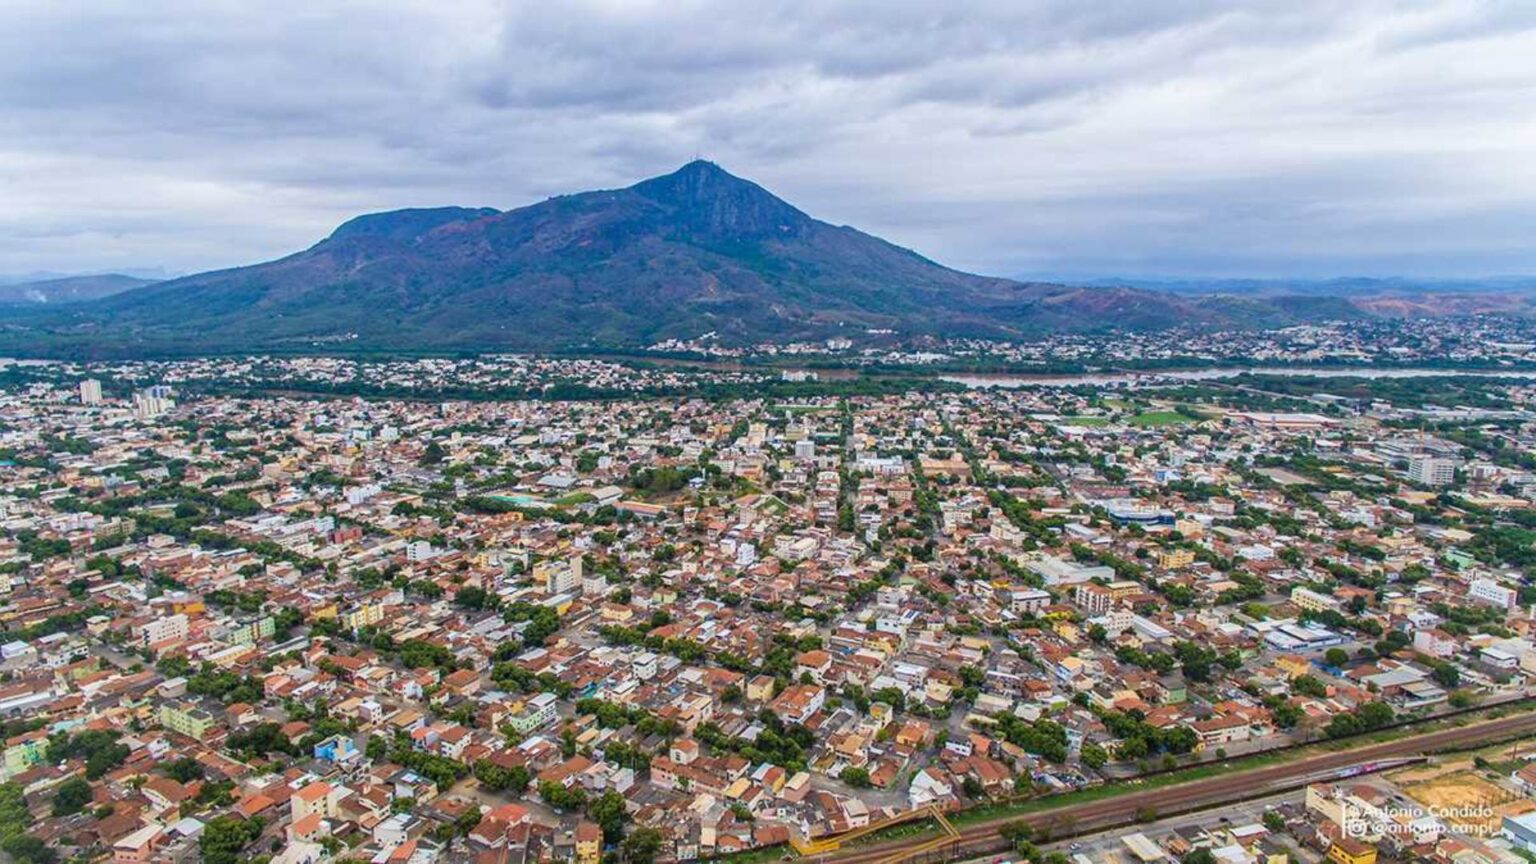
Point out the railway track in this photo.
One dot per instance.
(982, 837)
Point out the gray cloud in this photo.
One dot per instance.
(1180, 138)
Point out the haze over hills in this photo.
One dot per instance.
(692, 252)
(1395, 296)
(1347, 286)
(69, 289)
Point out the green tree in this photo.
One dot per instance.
(1375, 715)
(183, 770)
(1286, 715)
(467, 821)
(99, 748)
(641, 846)
(225, 837)
(1307, 685)
(499, 779)
(1446, 675)
(474, 597)
(561, 797)
(432, 454)
(607, 810)
(26, 849)
(72, 796)
(15, 819)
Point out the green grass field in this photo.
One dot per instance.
(1159, 418)
(1150, 419)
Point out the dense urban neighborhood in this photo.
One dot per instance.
(708, 603)
(719, 432)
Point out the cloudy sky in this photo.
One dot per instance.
(1144, 138)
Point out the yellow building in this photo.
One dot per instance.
(1173, 559)
(1347, 850)
(1292, 665)
(188, 720)
(614, 613)
(362, 616)
(1123, 588)
(760, 689)
(1312, 601)
(589, 843)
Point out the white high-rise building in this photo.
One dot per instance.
(152, 402)
(1492, 593)
(560, 576)
(171, 628)
(90, 392)
(1432, 470)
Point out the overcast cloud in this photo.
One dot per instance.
(1077, 138)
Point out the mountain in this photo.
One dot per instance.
(69, 289)
(693, 252)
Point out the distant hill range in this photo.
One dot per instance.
(1383, 297)
(69, 289)
(693, 252)
(1347, 286)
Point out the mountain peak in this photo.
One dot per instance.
(697, 179)
(704, 166)
(711, 203)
